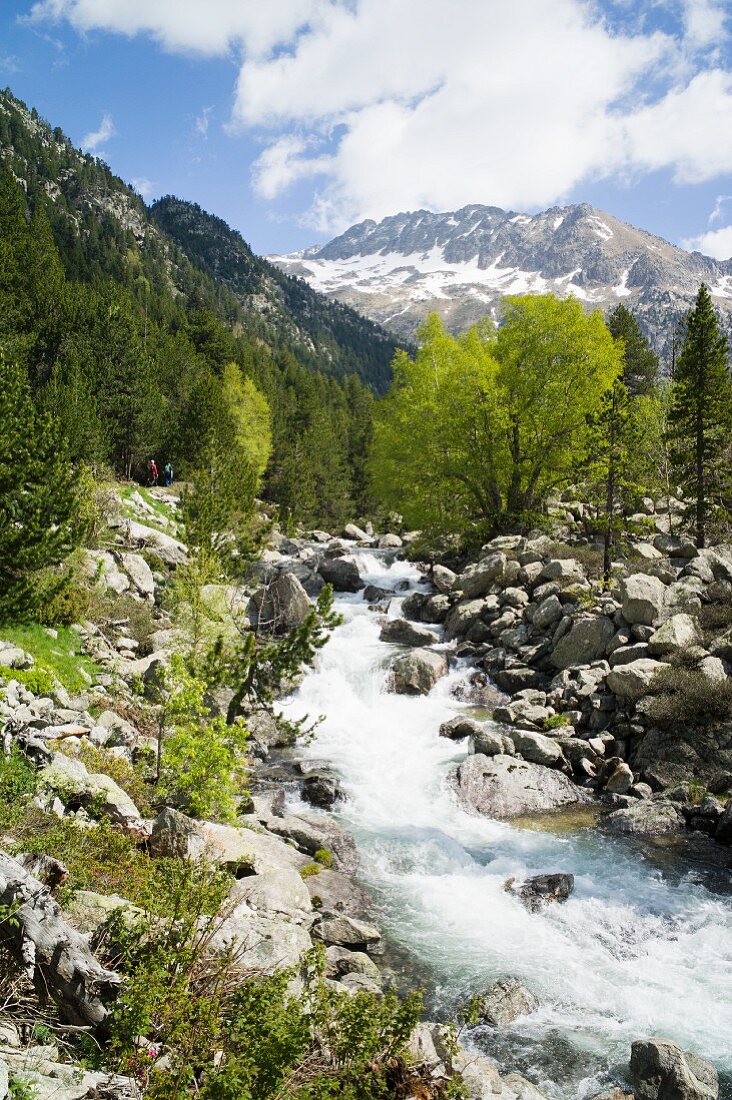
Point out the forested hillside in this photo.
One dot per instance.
(126, 340)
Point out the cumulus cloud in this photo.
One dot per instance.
(391, 105)
(95, 139)
(715, 242)
(189, 25)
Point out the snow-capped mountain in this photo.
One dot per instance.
(461, 264)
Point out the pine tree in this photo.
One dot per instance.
(701, 410)
(38, 494)
(640, 362)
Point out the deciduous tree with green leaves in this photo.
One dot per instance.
(476, 430)
(700, 416)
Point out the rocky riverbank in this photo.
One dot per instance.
(565, 669)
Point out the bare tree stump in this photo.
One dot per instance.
(56, 957)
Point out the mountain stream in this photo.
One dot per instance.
(642, 947)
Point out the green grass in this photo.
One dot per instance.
(164, 511)
(60, 656)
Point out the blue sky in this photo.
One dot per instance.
(292, 119)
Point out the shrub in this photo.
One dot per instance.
(687, 696)
(17, 786)
(556, 721)
(125, 774)
(324, 857)
(38, 680)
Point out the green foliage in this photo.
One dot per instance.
(38, 680)
(57, 651)
(476, 430)
(38, 493)
(555, 722)
(190, 1003)
(20, 1089)
(310, 869)
(324, 857)
(700, 416)
(202, 757)
(640, 362)
(126, 775)
(17, 786)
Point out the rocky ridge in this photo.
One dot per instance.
(462, 263)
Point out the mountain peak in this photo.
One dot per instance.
(462, 263)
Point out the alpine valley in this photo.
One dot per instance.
(463, 263)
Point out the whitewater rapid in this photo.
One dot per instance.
(641, 948)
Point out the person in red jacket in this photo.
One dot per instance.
(153, 472)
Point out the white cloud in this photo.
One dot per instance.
(715, 242)
(704, 22)
(93, 141)
(189, 25)
(400, 104)
(143, 186)
(203, 121)
(719, 205)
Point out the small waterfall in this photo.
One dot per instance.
(642, 947)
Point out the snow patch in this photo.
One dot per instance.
(621, 290)
(558, 221)
(600, 227)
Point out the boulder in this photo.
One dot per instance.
(537, 748)
(542, 890)
(621, 779)
(630, 682)
(158, 544)
(461, 617)
(139, 573)
(280, 606)
(323, 790)
(673, 546)
(642, 598)
(679, 631)
(274, 893)
(478, 578)
(564, 571)
(644, 818)
(548, 613)
(682, 752)
(416, 673)
(98, 794)
(402, 632)
(241, 851)
(342, 574)
(502, 786)
(661, 1070)
(102, 569)
(347, 931)
(505, 1001)
(357, 534)
(389, 542)
(723, 831)
(489, 741)
(443, 578)
(12, 656)
(459, 727)
(261, 943)
(586, 642)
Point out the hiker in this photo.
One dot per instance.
(153, 466)
(168, 474)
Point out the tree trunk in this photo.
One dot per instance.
(55, 956)
(701, 501)
(609, 506)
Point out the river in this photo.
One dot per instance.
(643, 946)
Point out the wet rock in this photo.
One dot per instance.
(723, 832)
(503, 786)
(389, 542)
(416, 673)
(373, 594)
(505, 1001)
(661, 1070)
(436, 608)
(347, 931)
(402, 632)
(323, 790)
(459, 727)
(644, 818)
(542, 890)
(642, 599)
(443, 578)
(342, 574)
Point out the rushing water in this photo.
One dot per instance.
(643, 946)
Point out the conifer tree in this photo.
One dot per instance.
(701, 411)
(640, 362)
(38, 494)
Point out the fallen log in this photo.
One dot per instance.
(56, 957)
